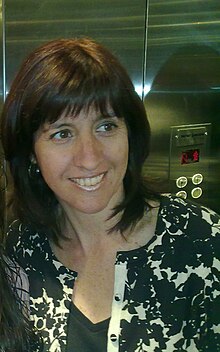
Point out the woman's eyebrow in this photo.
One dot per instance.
(107, 115)
(56, 125)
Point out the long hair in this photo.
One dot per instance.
(69, 75)
(16, 331)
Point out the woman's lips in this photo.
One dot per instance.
(89, 183)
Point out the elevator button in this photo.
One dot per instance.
(197, 179)
(182, 194)
(196, 192)
(181, 182)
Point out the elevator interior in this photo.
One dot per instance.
(171, 51)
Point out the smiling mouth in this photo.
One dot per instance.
(88, 183)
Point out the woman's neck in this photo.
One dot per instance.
(88, 237)
(88, 230)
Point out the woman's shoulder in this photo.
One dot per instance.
(188, 215)
(176, 205)
(21, 233)
(190, 233)
(24, 244)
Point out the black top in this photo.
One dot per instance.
(83, 335)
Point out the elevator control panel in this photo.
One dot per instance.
(189, 160)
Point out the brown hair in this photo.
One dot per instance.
(71, 74)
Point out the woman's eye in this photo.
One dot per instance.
(107, 127)
(61, 135)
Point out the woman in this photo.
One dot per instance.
(16, 332)
(112, 265)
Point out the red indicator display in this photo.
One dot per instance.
(190, 156)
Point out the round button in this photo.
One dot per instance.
(117, 297)
(182, 194)
(197, 179)
(41, 324)
(113, 337)
(196, 192)
(181, 182)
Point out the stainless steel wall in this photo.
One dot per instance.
(171, 50)
(182, 85)
(120, 25)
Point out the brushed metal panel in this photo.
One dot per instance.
(189, 161)
(120, 25)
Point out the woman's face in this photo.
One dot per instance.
(83, 159)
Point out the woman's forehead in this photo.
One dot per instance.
(69, 113)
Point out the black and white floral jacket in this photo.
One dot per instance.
(167, 293)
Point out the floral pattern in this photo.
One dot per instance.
(167, 293)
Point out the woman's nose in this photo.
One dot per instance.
(89, 152)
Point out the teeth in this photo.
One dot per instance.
(89, 181)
